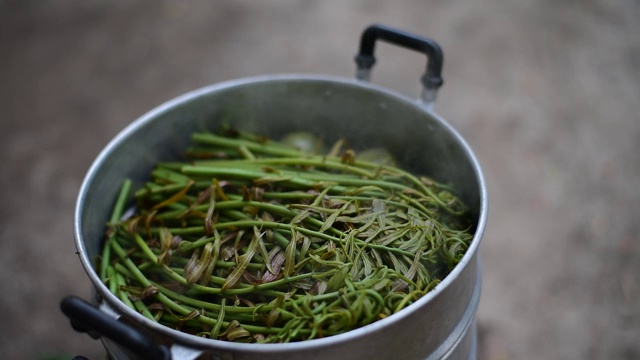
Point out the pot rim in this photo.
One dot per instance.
(188, 339)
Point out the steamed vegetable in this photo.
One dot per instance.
(254, 240)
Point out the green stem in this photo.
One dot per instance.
(315, 161)
(116, 214)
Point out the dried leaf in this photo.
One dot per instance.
(265, 255)
(392, 236)
(251, 279)
(399, 286)
(357, 219)
(380, 209)
(337, 280)
(238, 243)
(156, 306)
(414, 266)
(276, 260)
(218, 187)
(306, 243)
(318, 288)
(290, 255)
(398, 265)
(137, 293)
(250, 210)
(148, 219)
(175, 198)
(196, 267)
(274, 312)
(190, 316)
(202, 196)
(300, 216)
(367, 265)
(381, 285)
(166, 245)
(267, 217)
(246, 302)
(414, 243)
(242, 263)
(192, 264)
(227, 253)
(234, 324)
(257, 193)
(208, 218)
(246, 195)
(363, 189)
(237, 333)
(215, 253)
(322, 198)
(132, 224)
(332, 218)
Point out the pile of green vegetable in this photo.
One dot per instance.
(252, 240)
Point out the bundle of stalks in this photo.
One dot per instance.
(252, 240)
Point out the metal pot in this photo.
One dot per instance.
(439, 325)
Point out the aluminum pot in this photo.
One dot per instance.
(439, 325)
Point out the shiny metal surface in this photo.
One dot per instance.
(439, 325)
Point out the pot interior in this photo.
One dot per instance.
(366, 115)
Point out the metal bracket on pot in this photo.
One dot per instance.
(86, 318)
(431, 80)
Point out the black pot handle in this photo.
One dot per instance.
(431, 80)
(87, 318)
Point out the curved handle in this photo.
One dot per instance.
(86, 318)
(431, 80)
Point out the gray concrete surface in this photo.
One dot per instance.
(546, 92)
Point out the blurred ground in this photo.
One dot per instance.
(546, 92)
